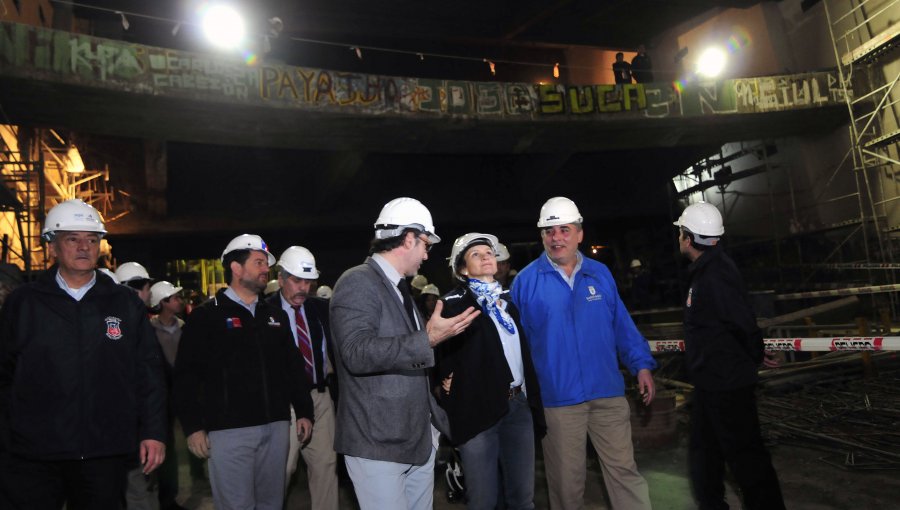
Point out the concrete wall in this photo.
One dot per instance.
(30, 12)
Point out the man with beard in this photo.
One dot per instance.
(309, 324)
(235, 356)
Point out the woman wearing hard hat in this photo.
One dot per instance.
(490, 389)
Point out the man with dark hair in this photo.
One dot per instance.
(723, 348)
(386, 413)
(621, 69)
(237, 372)
(81, 378)
(309, 323)
(136, 277)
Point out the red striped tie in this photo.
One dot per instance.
(305, 345)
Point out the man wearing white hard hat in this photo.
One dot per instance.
(136, 277)
(237, 374)
(324, 292)
(504, 267)
(579, 331)
(167, 304)
(80, 363)
(723, 351)
(386, 414)
(309, 323)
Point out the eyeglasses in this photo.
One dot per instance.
(428, 244)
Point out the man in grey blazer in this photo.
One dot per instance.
(386, 414)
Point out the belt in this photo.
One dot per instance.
(515, 390)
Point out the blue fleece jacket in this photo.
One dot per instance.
(576, 334)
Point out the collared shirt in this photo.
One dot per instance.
(562, 272)
(234, 297)
(79, 293)
(394, 276)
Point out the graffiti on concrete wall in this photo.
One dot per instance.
(40, 53)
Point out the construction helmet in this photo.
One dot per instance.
(558, 211)
(324, 292)
(248, 242)
(402, 213)
(502, 253)
(701, 218)
(161, 290)
(131, 271)
(418, 282)
(109, 273)
(299, 262)
(431, 289)
(464, 242)
(272, 287)
(635, 263)
(72, 216)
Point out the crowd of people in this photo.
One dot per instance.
(95, 367)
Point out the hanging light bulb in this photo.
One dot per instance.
(125, 23)
(556, 70)
(492, 67)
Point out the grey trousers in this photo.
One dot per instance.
(246, 466)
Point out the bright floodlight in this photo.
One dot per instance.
(711, 62)
(223, 26)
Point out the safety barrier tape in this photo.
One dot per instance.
(873, 289)
(848, 343)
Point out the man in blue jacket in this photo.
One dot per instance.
(723, 349)
(579, 331)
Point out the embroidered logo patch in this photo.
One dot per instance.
(113, 328)
(273, 322)
(594, 296)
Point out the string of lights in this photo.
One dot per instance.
(555, 67)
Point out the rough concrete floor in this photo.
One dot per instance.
(809, 482)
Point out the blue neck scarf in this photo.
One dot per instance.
(486, 294)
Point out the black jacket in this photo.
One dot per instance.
(78, 379)
(235, 370)
(479, 393)
(319, 329)
(723, 344)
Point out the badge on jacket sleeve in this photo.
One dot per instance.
(113, 328)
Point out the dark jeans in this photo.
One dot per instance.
(725, 430)
(92, 484)
(510, 442)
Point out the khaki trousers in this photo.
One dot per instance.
(607, 422)
(318, 454)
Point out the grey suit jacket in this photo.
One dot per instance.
(386, 404)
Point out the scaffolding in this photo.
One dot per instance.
(863, 35)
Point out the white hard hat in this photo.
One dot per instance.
(702, 218)
(109, 273)
(272, 287)
(558, 211)
(131, 271)
(401, 213)
(431, 289)
(324, 292)
(463, 242)
(299, 262)
(248, 242)
(635, 263)
(419, 282)
(161, 290)
(72, 216)
(502, 252)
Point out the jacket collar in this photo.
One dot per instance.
(46, 282)
(545, 265)
(704, 260)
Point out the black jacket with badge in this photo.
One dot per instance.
(235, 370)
(479, 393)
(723, 344)
(78, 379)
